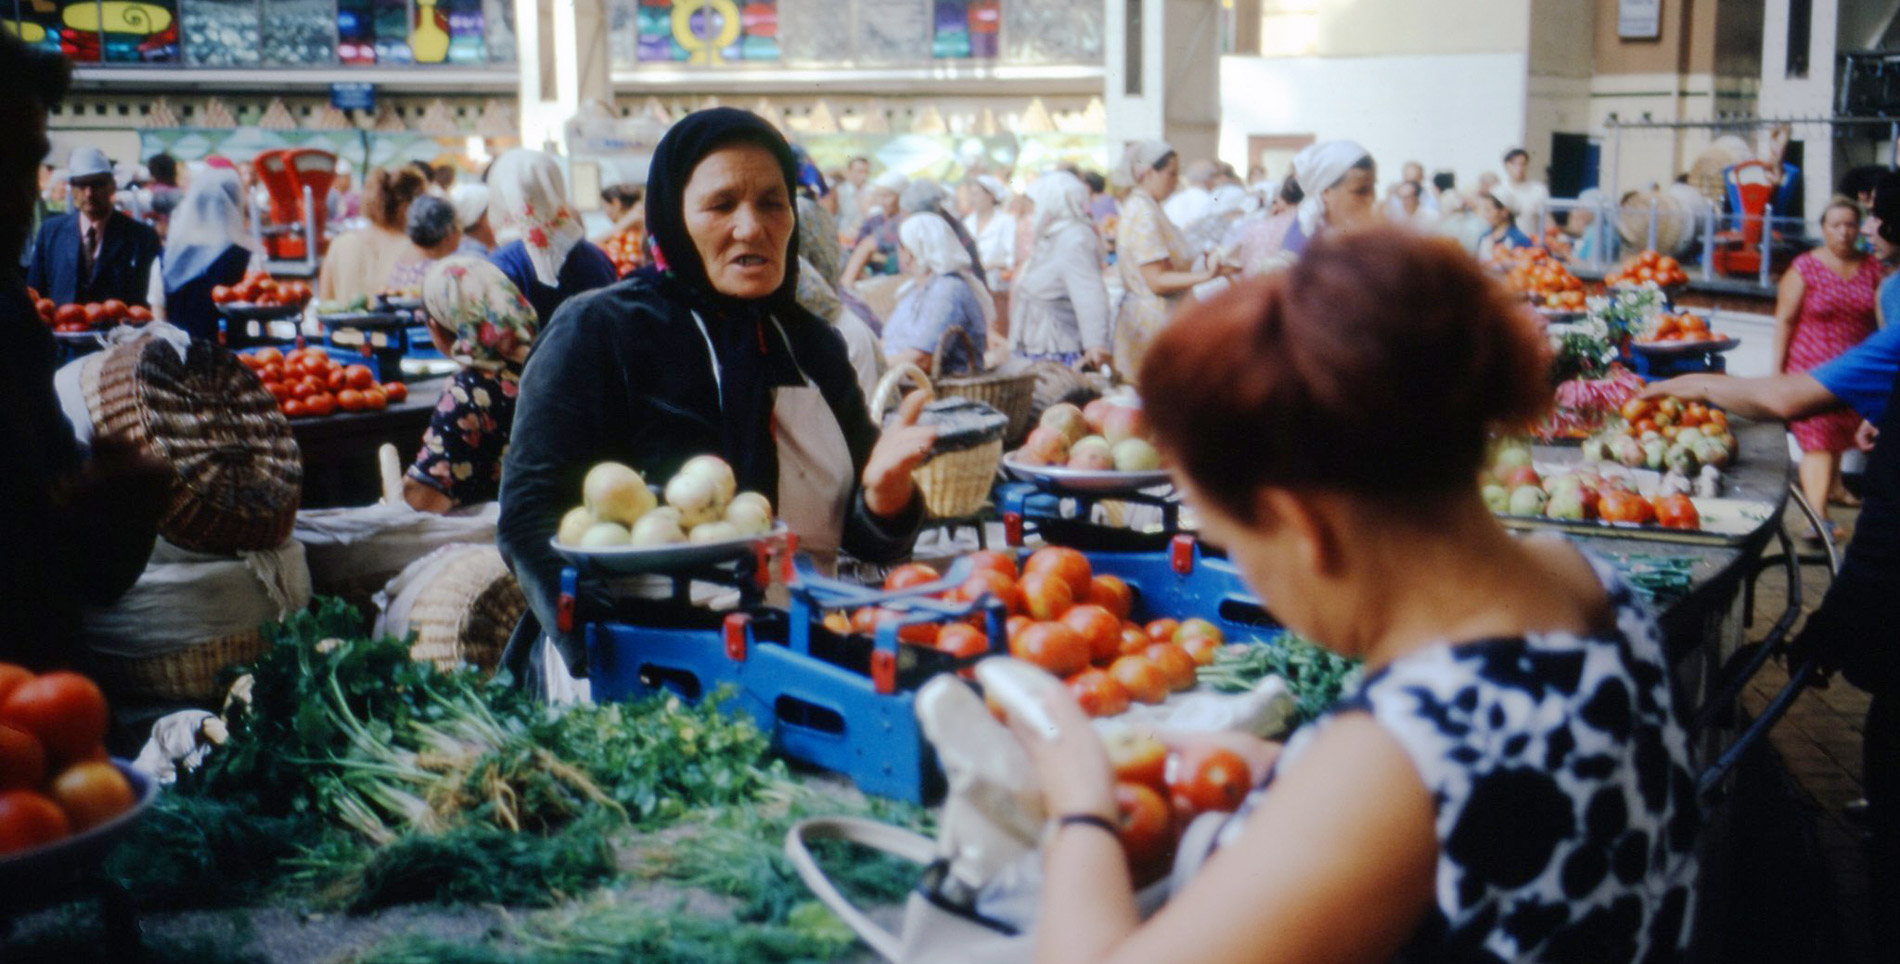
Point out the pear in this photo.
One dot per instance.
(615, 493)
(1527, 500)
(1136, 455)
(715, 470)
(658, 528)
(574, 525)
(719, 531)
(1496, 498)
(1566, 503)
(602, 535)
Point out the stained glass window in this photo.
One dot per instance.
(37, 23)
(302, 31)
(392, 31)
(965, 29)
(355, 32)
(220, 33)
(89, 31)
(706, 31)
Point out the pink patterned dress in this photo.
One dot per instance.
(1836, 314)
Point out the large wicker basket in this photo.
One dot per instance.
(956, 477)
(239, 472)
(1009, 392)
(467, 611)
(188, 675)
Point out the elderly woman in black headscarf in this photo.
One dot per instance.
(705, 351)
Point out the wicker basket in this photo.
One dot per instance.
(955, 483)
(240, 474)
(1056, 383)
(468, 611)
(188, 675)
(1011, 393)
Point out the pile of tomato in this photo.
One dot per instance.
(77, 319)
(1158, 792)
(1669, 415)
(308, 383)
(1065, 619)
(1646, 268)
(55, 778)
(626, 250)
(259, 290)
(1673, 329)
(1542, 278)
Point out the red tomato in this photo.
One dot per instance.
(864, 620)
(397, 392)
(1146, 827)
(1138, 756)
(1098, 693)
(1162, 629)
(1071, 565)
(29, 820)
(293, 408)
(303, 388)
(92, 793)
(910, 574)
(96, 315)
(320, 404)
(336, 381)
(1134, 640)
(1052, 646)
(1209, 778)
(278, 390)
(250, 362)
(963, 640)
(1197, 626)
(1636, 409)
(1175, 664)
(996, 584)
(1001, 562)
(374, 400)
(1046, 595)
(64, 710)
(114, 308)
(1013, 627)
(271, 371)
(349, 400)
(1615, 505)
(46, 308)
(22, 759)
(11, 677)
(1145, 681)
(1099, 628)
(1112, 593)
(220, 294)
(1677, 512)
(360, 377)
(69, 315)
(1202, 648)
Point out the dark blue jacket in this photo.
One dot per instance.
(123, 271)
(587, 268)
(189, 304)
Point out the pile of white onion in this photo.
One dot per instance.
(700, 505)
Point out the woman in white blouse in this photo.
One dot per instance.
(995, 234)
(1059, 311)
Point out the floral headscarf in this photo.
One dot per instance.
(491, 323)
(530, 196)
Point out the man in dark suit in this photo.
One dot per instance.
(95, 253)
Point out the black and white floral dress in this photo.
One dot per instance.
(1566, 809)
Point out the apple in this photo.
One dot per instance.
(574, 525)
(718, 531)
(1122, 422)
(605, 534)
(1518, 477)
(1137, 756)
(1596, 450)
(1527, 500)
(1067, 419)
(1628, 450)
(716, 470)
(1512, 455)
(1497, 498)
(1136, 455)
(1045, 446)
(658, 528)
(1566, 503)
(696, 496)
(748, 517)
(615, 493)
(1092, 452)
(1654, 451)
(1092, 413)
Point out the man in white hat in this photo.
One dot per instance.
(94, 254)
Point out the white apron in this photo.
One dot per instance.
(815, 474)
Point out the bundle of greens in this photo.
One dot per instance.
(1317, 677)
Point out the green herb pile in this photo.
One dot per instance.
(1316, 676)
(1657, 580)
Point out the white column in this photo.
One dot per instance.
(551, 92)
(1810, 96)
(1170, 87)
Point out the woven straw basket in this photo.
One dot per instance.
(957, 483)
(1011, 393)
(240, 474)
(187, 675)
(467, 611)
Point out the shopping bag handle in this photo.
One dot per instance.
(895, 841)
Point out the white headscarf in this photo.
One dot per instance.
(892, 181)
(530, 196)
(933, 245)
(1318, 167)
(206, 222)
(1138, 158)
(471, 202)
(1233, 199)
(1060, 197)
(994, 187)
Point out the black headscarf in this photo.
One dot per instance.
(752, 359)
(684, 146)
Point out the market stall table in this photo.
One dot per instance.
(339, 451)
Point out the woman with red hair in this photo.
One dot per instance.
(1508, 782)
